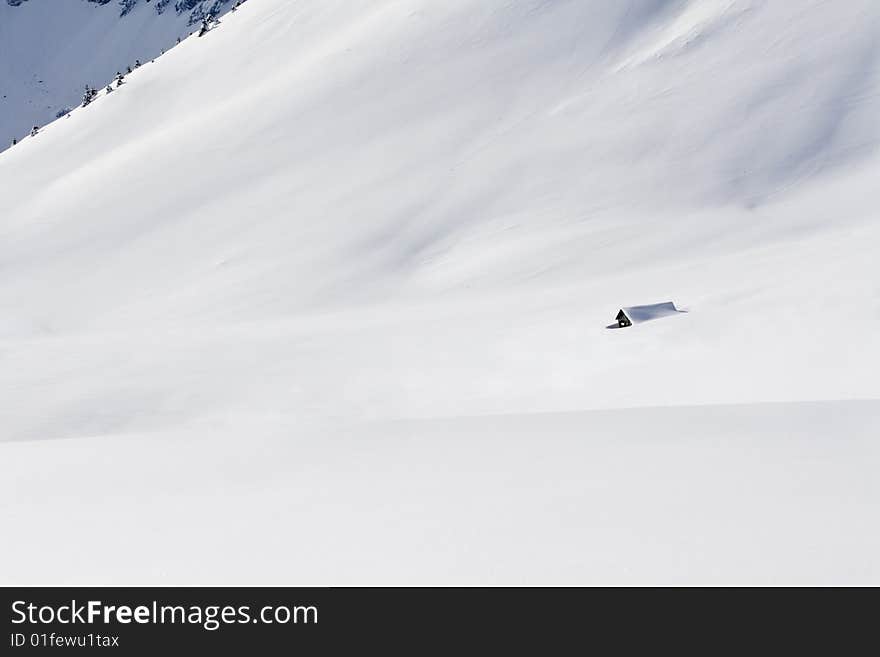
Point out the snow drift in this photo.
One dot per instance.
(279, 267)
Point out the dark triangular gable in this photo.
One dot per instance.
(622, 319)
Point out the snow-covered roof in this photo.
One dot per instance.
(650, 311)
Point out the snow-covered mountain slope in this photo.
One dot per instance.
(260, 287)
(50, 49)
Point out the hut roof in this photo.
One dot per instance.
(651, 311)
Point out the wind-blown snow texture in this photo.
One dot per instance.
(321, 298)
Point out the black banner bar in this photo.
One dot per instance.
(132, 621)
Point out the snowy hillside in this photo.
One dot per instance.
(322, 297)
(50, 49)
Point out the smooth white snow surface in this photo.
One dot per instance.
(321, 298)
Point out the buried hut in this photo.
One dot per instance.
(636, 314)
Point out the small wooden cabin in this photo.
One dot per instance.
(634, 314)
